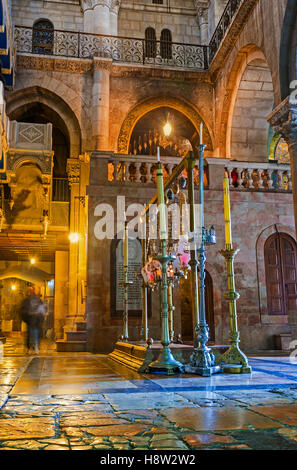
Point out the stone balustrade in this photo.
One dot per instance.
(139, 169)
(246, 176)
(243, 176)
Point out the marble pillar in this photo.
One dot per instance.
(73, 171)
(202, 18)
(100, 103)
(101, 16)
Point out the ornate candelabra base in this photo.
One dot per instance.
(233, 361)
(165, 363)
(202, 361)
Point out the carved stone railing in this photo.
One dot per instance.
(142, 169)
(246, 176)
(243, 176)
(222, 27)
(74, 44)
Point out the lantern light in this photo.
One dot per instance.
(167, 129)
(74, 237)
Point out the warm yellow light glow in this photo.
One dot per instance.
(13, 287)
(167, 129)
(32, 260)
(74, 237)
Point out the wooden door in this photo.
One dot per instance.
(281, 274)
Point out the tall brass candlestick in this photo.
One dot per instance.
(233, 361)
(165, 362)
(125, 283)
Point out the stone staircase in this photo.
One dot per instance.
(74, 340)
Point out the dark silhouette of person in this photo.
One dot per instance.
(33, 312)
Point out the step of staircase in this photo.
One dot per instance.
(76, 335)
(74, 341)
(71, 346)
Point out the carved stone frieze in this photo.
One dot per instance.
(54, 64)
(91, 4)
(15, 158)
(73, 170)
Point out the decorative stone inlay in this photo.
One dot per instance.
(31, 133)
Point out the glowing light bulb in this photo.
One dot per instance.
(74, 237)
(13, 287)
(167, 129)
(32, 260)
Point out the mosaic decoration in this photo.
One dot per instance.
(278, 150)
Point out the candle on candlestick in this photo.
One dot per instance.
(126, 241)
(158, 153)
(161, 201)
(201, 133)
(227, 213)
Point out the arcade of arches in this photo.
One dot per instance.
(84, 131)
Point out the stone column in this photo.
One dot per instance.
(114, 12)
(202, 18)
(73, 171)
(61, 291)
(100, 103)
(100, 16)
(283, 120)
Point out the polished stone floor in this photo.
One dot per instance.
(83, 402)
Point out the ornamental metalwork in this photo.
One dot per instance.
(222, 27)
(120, 49)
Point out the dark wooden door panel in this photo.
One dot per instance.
(281, 274)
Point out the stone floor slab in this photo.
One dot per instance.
(217, 419)
(17, 428)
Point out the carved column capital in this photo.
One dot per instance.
(91, 4)
(73, 170)
(283, 120)
(202, 7)
(115, 6)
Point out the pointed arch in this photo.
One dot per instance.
(246, 56)
(22, 99)
(153, 103)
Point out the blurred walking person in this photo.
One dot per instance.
(33, 312)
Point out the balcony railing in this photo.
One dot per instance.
(245, 176)
(74, 44)
(222, 27)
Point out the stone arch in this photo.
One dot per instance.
(22, 99)
(145, 106)
(260, 263)
(288, 49)
(245, 57)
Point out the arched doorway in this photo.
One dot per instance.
(281, 273)
(148, 134)
(186, 308)
(185, 109)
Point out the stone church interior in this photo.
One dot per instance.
(110, 106)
